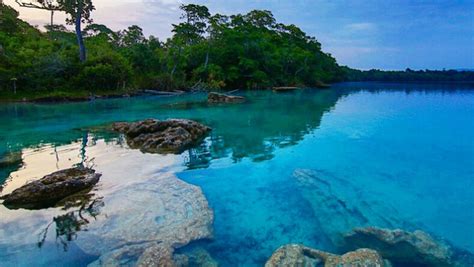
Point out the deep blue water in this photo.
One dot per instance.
(299, 167)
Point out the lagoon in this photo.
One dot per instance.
(386, 155)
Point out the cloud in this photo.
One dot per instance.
(361, 26)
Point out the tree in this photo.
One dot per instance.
(50, 5)
(196, 18)
(102, 31)
(79, 12)
(132, 36)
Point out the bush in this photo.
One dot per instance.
(106, 72)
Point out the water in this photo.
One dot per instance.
(299, 167)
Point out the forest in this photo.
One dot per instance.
(409, 75)
(206, 51)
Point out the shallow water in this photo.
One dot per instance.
(301, 167)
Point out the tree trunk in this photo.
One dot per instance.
(207, 59)
(206, 62)
(52, 15)
(80, 40)
(176, 61)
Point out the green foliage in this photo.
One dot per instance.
(107, 71)
(206, 50)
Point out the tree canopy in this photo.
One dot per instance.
(212, 51)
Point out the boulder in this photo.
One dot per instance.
(155, 136)
(299, 255)
(51, 189)
(214, 97)
(146, 222)
(402, 247)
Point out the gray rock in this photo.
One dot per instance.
(146, 222)
(214, 97)
(404, 248)
(301, 256)
(51, 189)
(155, 136)
(340, 206)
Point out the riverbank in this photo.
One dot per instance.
(65, 96)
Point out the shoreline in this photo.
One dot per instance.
(64, 97)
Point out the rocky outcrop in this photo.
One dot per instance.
(407, 248)
(214, 97)
(146, 222)
(298, 255)
(155, 136)
(51, 189)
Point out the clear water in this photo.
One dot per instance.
(299, 167)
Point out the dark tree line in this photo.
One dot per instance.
(409, 75)
(206, 50)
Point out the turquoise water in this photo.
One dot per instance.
(300, 167)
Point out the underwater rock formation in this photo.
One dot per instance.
(214, 97)
(196, 257)
(299, 255)
(408, 248)
(339, 205)
(146, 222)
(10, 159)
(51, 189)
(155, 136)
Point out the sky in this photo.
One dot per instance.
(389, 35)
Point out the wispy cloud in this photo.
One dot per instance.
(361, 26)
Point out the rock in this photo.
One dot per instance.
(402, 247)
(214, 97)
(196, 257)
(298, 255)
(157, 255)
(51, 189)
(146, 222)
(339, 205)
(170, 136)
(11, 159)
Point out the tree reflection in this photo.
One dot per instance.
(69, 224)
(256, 129)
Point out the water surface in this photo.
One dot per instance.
(301, 167)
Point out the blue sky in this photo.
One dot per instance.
(360, 34)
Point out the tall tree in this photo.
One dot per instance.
(79, 12)
(196, 18)
(50, 5)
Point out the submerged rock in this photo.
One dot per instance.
(214, 97)
(339, 205)
(155, 136)
(51, 189)
(407, 248)
(196, 257)
(146, 222)
(298, 255)
(10, 159)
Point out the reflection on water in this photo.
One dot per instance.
(300, 167)
(68, 224)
